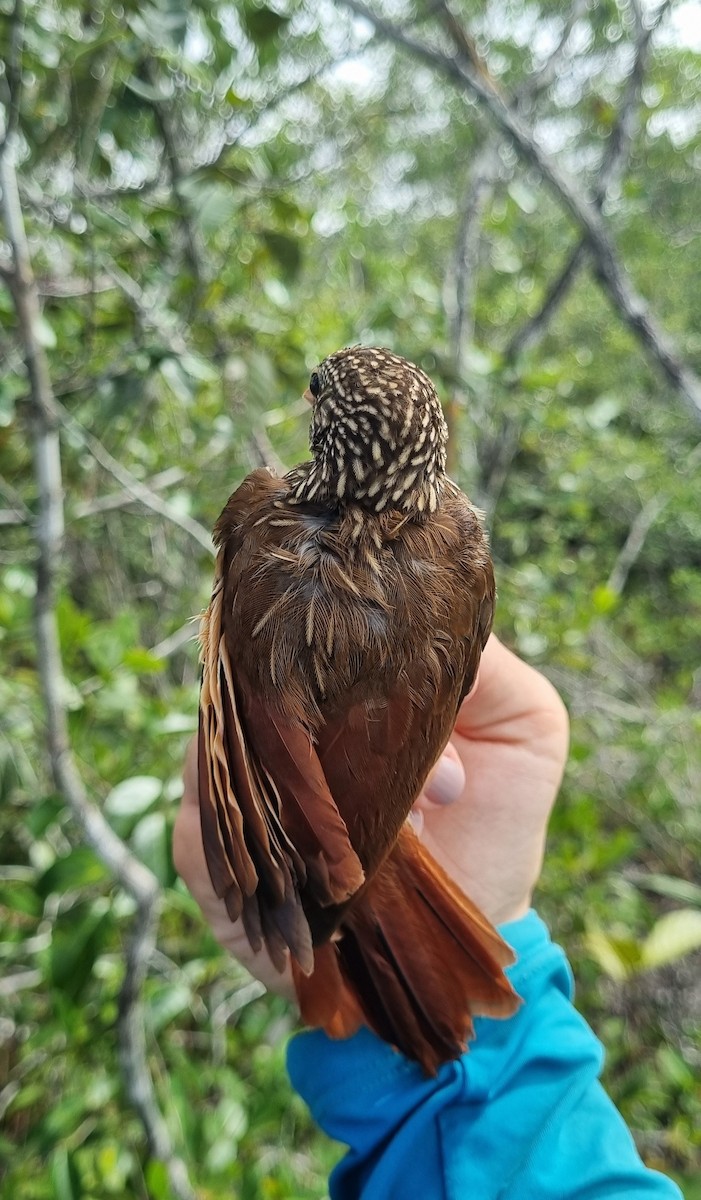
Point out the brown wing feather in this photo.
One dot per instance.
(270, 825)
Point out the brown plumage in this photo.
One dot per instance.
(351, 603)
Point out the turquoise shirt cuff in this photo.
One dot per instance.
(520, 1116)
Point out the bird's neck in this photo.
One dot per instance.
(397, 488)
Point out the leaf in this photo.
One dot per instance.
(134, 796)
(604, 599)
(603, 411)
(150, 840)
(78, 936)
(668, 885)
(146, 91)
(286, 251)
(166, 1004)
(198, 368)
(157, 1182)
(64, 1175)
(19, 896)
(80, 868)
(44, 333)
(262, 23)
(615, 956)
(674, 935)
(224, 1127)
(142, 662)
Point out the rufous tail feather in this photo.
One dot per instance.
(415, 960)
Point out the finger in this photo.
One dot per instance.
(191, 793)
(446, 782)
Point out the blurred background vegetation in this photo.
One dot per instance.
(214, 196)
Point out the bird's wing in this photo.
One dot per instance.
(253, 766)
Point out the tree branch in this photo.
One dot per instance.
(633, 545)
(609, 177)
(134, 487)
(631, 306)
(13, 74)
(128, 871)
(460, 283)
(164, 479)
(460, 287)
(166, 129)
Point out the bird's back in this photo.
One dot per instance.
(365, 629)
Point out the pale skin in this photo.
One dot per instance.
(483, 814)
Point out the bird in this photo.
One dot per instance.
(351, 602)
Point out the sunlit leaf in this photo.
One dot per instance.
(673, 935)
(133, 796)
(150, 840)
(615, 956)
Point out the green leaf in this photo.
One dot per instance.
(616, 956)
(80, 868)
(668, 885)
(64, 1175)
(674, 935)
(44, 333)
(142, 662)
(286, 250)
(150, 840)
(224, 1127)
(166, 1004)
(157, 1182)
(19, 897)
(146, 91)
(198, 368)
(134, 796)
(262, 23)
(78, 937)
(604, 599)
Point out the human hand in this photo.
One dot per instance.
(483, 814)
(507, 755)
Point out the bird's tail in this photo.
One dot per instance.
(416, 961)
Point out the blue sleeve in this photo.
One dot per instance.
(522, 1116)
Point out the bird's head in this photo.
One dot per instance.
(378, 435)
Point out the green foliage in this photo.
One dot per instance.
(203, 230)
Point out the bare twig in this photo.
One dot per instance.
(134, 487)
(546, 73)
(631, 306)
(260, 448)
(633, 545)
(460, 289)
(166, 128)
(264, 453)
(129, 872)
(10, 516)
(460, 284)
(175, 641)
(157, 483)
(24, 514)
(609, 177)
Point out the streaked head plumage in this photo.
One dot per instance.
(378, 435)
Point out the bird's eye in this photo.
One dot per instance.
(314, 384)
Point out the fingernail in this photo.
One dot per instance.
(447, 782)
(416, 820)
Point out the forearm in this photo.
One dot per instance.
(523, 1114)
